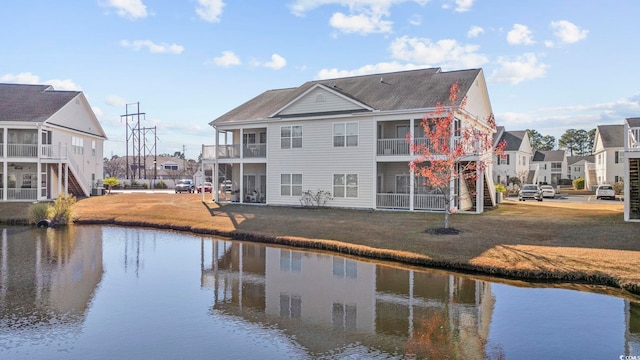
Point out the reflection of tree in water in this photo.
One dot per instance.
(437, 336)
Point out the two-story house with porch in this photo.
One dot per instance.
(51, 143)
(348, 136)
(608, 152)
(515, 160)
(550, 166)
(632, 169)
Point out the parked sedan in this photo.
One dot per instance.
(605, 191)
(206, 185)
(530, 191)
(185, 186)
(548, 191)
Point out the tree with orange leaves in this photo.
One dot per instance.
(452, 150)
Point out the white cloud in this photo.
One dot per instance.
(567, 32)
(364, 17)
(210, 10)
(227, 59)
(277, 62)
(415, 20)
(463, 5)
(446, 53)
(475, 31)
(132, 9)
(525, 67)
(115, 100)
(153, 47)
(367, 69)
(460, 5)
(29, 78)
(520, 35)
(361, 23)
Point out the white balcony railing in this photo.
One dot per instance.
(634, 139)
(420, 201)
(211, 152)
(22, 194)
(22, 150)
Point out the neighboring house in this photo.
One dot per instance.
(160, 167)
(608, 150)
(550, 166)
(514, 163)
(51, 143)
(347, 136)
(632, 169)
(577, 168)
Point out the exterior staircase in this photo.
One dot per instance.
(634, 188)
(74, 185)
(470, 181)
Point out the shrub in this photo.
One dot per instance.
(39, 211)
(161, 185)
(62, 209)
(110, 182)
(315, 199)
(618, 187)
(501, 189)
(578, 184)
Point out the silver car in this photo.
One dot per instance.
(530, 191)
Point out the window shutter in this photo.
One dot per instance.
(508, 158)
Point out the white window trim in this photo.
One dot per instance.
(291, 184)
(345, 123)
(345, 186)
(301, 137)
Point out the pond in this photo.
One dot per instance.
(102, 292)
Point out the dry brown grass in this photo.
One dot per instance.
(557, 241)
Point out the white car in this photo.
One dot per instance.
(548, 191)
(605, 191)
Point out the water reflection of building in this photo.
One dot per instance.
(45, 273)
(632, 332)
(347, 301)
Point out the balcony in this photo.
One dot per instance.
(249, 151)
(401, 201)
(31, 151)
(633, 140)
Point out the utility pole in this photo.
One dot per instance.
(140, 148)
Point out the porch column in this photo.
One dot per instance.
(38, 162)
(66, 179)
(59, 177)
(412, 175)
(241, 181)
(215, 179)
(4, 165)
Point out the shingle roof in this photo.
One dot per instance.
(611, 135)
(634, 122)
(574, 159)
(404, 90)
(31, 103)
(513, 139)
(552, 155)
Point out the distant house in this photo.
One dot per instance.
(51, 143)
(551, 165)
(631, 161)
(348, 136)
(577, 168)
(517, 156)
(608, 151)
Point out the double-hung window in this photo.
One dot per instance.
(78, 145)
(291, 137)
(345, 134)
(345, 185)
(291, 184)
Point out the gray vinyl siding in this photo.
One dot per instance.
(318, 160)
(310, 104)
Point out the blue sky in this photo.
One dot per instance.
(551, 65)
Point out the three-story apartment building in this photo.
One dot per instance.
(348, 136)
(51, 143)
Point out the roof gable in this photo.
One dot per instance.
(320, 100)
(552, 155)
(31, 103)
(610, 136)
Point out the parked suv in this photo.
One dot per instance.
(530, 191)
(605, 191)
(185, 186)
